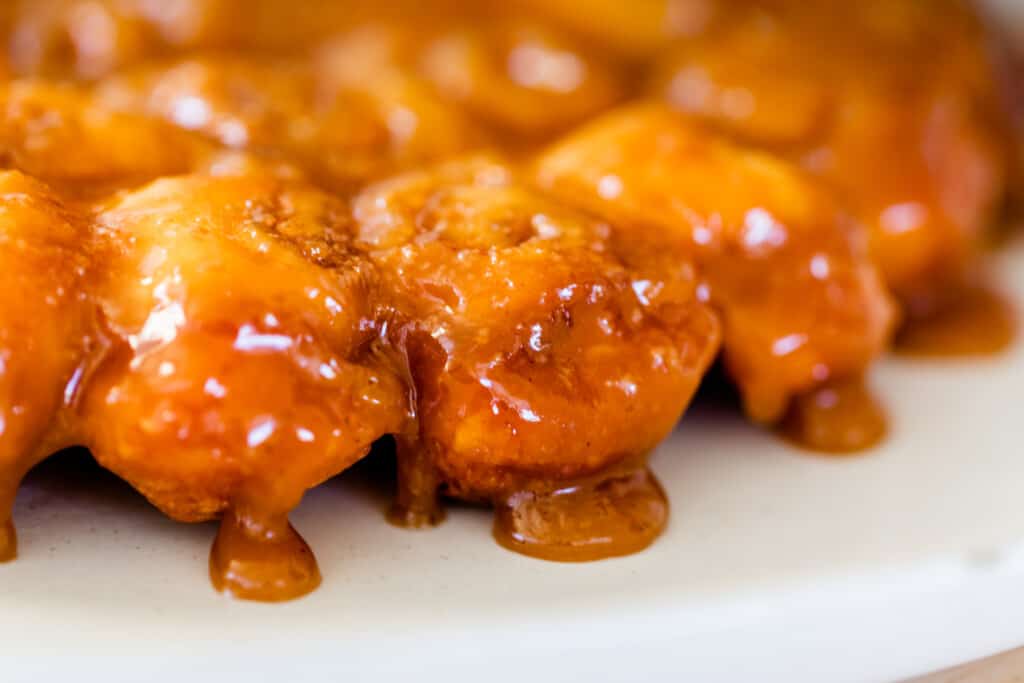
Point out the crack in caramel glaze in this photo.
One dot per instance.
(975, 321)
(8, 541)
(610, 515)
(840, 417)
(262, 561)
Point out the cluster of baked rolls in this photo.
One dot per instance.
(244, 241)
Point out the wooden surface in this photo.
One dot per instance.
(1004, 668)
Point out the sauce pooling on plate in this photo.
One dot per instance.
(975, 320)
(838, 417)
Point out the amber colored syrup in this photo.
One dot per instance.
(975, 321)
(8, 542)
(261, 561)
(839, 417)
(417, 504)
(618, 514)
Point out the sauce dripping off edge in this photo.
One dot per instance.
(841, 417)
(262, 560)
(8, 541)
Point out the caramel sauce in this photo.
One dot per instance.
(560, 372)
(8, 534)
(253, 299)
(417, 504)
(8, 541)
(974, 321)
(777, 255)
(839, 417)
(604, 516)
(264, 560)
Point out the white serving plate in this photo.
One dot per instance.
(777, 565)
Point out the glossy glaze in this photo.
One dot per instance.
(342, 132)
(526, 80)
(236, 366)
(228, 281)
(264, 560)
(44, 259)
(88, 39)
(59, 133)
(532, 349)
(912, 136)
(417, 503)
(785, 267)
(520, 74)
(247, 242)
(841, 416)
(228, 342)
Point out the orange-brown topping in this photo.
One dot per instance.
(243, 240)
(912, 137)
(786, 269)
(838, 417)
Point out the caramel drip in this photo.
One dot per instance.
(841, 416)
(601, 517)
(8, 534)
(974, 321)
(417, 504)
(8, 541)
(262, 560)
